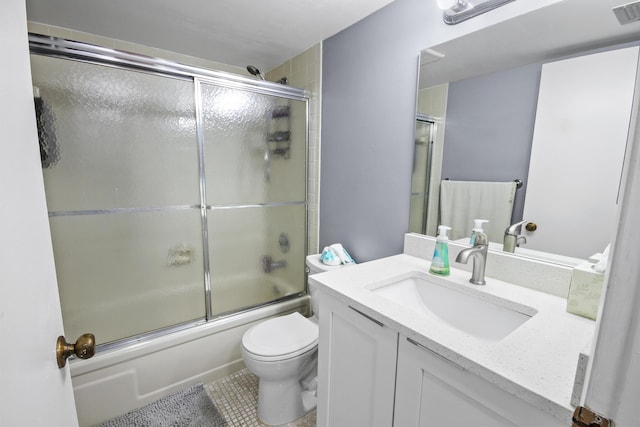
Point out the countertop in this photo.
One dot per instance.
(537, 362)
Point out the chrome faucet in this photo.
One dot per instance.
(268, 264)
(478, 252)
(512, 237)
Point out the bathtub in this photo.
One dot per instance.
(115, 381)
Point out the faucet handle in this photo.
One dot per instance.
(514, 229)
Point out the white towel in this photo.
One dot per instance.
(463, 201)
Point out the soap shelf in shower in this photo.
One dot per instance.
(280, 140)
(280, 143)
(280, 112)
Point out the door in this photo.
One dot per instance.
(33, 390)
(613, 389)
(356, 367)
(567, 194)
(434, 391)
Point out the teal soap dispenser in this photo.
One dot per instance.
(440, 260)
(477, 228)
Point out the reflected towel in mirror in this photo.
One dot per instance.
(463, 201)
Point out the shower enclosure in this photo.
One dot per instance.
(421, 173)
(176, 195)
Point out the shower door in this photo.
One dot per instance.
(420, 178)
(172, 199)
(255, 157)
(120, 166)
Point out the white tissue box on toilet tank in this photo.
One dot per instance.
(585, 291)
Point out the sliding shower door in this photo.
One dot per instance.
(255, 156)
(173, 198)
(120, 165)
(420, 177)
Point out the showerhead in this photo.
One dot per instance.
(254, 70)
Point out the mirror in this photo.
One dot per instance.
(510, 54)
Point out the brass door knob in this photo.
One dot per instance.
(531, 226)
(84, 348)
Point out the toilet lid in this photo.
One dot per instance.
(280, 336)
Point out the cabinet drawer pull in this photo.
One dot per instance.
(423, 347)
(379, 323)
(439, 356)
(417, 344)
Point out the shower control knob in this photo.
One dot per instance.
(84, 348)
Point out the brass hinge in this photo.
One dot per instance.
(585, 417)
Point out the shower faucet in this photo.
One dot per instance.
(268, 264)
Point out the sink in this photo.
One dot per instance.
(474, 312)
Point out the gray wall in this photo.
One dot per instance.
(489, 128)
(368, 114)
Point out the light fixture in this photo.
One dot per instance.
(456, 11)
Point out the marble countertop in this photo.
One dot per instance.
(537, 362)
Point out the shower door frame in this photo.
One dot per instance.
(433, 122)
(98, 55)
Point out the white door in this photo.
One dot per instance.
(33, 391)
(613, 389)
(579, 139)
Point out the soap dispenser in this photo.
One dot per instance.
(477, 228)
(440, 260)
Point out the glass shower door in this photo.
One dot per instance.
(173, 196)
(255, 157)
(424, 137)
(120, 165)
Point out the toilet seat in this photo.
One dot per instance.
(281, 338)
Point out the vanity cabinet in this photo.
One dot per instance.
(433, 391)
(356, 367)
(371, 375)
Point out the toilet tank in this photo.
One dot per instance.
(316, 266)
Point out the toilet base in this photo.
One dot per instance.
(282, 402)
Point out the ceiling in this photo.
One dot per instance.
(561, 29)
(234, 32)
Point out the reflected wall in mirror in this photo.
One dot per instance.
(488, 117)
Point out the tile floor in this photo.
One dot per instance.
(236, 398)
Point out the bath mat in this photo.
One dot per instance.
(188, 408)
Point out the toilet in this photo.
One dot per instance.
(283, 353)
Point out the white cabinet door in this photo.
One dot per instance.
(433, 391)
(356, 368)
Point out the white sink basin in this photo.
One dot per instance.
(476, 313)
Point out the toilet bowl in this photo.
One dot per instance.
(283, 353)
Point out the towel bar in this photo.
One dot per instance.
(517, 181)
